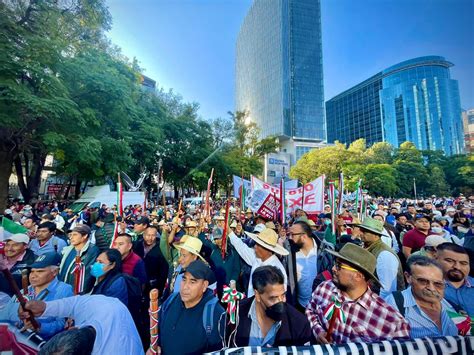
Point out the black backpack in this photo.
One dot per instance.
(135, 297)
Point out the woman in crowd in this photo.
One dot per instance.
(108, 273)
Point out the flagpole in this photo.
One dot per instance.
(414, 187)
(226, 227)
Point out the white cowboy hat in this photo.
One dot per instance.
(269, 240)
(191, 244)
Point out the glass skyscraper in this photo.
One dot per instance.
(415, 100)
(279, 72)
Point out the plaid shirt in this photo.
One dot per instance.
(368, 319)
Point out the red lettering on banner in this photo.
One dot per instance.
(309, 199)
(294, 202)
(308, 187)
(293, 192)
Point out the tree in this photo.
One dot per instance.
(437, 182)
(328, 160)
(380, 153)
(380, 179)
(36, 38)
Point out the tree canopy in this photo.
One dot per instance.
(389, 171)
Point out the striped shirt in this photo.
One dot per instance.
(367, 319)
(420, 324)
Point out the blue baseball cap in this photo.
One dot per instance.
(45, 260)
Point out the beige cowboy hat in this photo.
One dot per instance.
(268, 239)
(219, 218)
(161, 223)
(248, 210)
(233, 224)
(358, 257)
(191, 224)
(191, 244)
(270, 225)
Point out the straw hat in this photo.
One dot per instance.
(269, 240)
(248, 210)
(219, 218)
(191, 224)
(191, 244)
(270, 225)
(161, 223)
(358, 257)
(233, 224)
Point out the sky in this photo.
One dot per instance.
(189, 45)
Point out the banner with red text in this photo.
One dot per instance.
(310, 199)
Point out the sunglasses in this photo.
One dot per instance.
(340, 266)
(425, 282)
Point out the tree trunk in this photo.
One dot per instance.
(78, 188)
(29, 173)
(6, 165)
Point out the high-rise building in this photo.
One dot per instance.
(415, 100)
(279, 72)
(468, 123)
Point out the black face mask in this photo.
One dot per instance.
(276, 311)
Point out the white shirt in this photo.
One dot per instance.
(306, 271)
(59, 221)
(389, 238)
(115, 330)
(248, 254)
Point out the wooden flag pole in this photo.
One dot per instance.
(153, 321)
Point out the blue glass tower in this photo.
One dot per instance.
(415, 100)
(279, 73)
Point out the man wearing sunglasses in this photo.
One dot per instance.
(422, 303)
(346, 310)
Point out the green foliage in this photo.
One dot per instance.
(380, 179)
(388, 171)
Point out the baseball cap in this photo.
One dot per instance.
(434, 240)
(81, 228)
(259, 228)
(19, 238)
(201, 271)
(45, 260)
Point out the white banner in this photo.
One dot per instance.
(311, 200)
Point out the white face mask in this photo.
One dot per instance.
(437, 230)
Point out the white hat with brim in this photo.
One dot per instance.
(269, 240)
(191, 244)
(18, 238)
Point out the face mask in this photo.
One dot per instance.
(97, 269)
(276, 311)
(437, 230)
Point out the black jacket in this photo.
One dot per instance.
(294, 330)
(155, 265)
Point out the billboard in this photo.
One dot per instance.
(276, 165)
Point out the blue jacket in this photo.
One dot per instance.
(112, 286)
(49, 326)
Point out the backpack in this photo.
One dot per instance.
(325, 262)
(207, 315)
(134, 293)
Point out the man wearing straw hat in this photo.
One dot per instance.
(189, 251)
(344, 309)
(264, 252)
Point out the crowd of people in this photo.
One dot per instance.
(402, 270)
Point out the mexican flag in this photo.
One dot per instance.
(11, 227)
